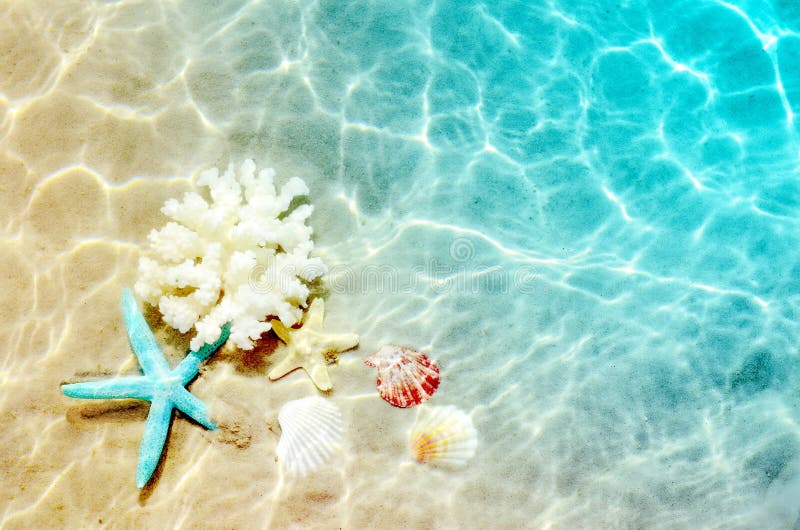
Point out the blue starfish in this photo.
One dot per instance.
(162, 387)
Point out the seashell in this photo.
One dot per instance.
(311, 434)
(405, 377)
(443, 437)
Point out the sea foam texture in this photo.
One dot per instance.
(242, 258)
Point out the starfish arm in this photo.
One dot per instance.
(189, 366)
(288, 364)
(207, 349)
(134, 387)
(315, 314)
(142, 340)
(342, 342)
(155, 435)
(281, 331)
(193, 407)
(318, 373)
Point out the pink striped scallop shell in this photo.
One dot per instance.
(405, 377)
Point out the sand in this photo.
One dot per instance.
(109, 109)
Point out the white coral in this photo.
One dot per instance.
(241, 258)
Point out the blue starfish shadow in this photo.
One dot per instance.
(163, 387)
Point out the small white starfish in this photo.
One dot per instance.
(309, 348)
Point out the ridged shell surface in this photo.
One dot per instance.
(406, 377)
(311, 434)
(443, 437)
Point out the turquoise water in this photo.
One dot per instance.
(631, 170)
(585, 211)
(590, 208)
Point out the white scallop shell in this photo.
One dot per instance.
(443, 437)
(311, 434)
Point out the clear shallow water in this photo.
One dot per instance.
(586, 213)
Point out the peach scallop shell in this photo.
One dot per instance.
(311, 434)
(405, 377)
(443, 437)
